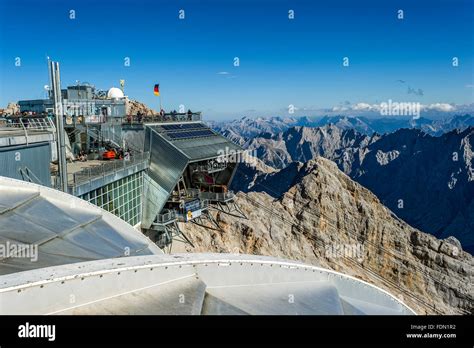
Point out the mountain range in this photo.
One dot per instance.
(426, 180)
(244, 129)
(321, 216)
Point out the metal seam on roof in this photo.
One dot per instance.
(121, 294)
(202, 259)
(21, 203)
(192, 259)
(32, 218)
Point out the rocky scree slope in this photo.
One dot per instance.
(323, 210)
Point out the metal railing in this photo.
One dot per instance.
(211, 167)
(94, 134)
(107, 135)
(167, 117)
(91, 173)
(183, 194)
(166, 217)
(218, 196)
(204, 204)
(192, 193)
(205, 195)
(43, 123)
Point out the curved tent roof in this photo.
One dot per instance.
(42, 227)
(211, 284)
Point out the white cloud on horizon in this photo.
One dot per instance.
(361, 109)
(442, 107)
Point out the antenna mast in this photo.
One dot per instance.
(60, 134)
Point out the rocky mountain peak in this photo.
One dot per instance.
(325, 218)
(133, 107)
(427, 180)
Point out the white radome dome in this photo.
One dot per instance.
(115, 93)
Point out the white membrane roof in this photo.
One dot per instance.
(222, 284)
(42, 227)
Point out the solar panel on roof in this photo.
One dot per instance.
(191, 134)
(203, 133)
(195, 125)
(172, 127)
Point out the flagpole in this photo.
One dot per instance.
(159, 95)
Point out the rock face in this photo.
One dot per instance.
(305, 143)
(11, 109)
(428, 181)
(133, 107)
(249, 174)
(326, 219)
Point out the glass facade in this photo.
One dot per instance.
(122, 198)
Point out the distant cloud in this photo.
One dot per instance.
(360, 109)
(366, 107)
(418, 91)
(339, 108)
(469, 86)
(444, 107)
(344, 106)
(226, 74)
(363, 107)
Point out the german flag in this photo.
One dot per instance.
(156, 91)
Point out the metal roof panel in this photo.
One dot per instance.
(62, 228)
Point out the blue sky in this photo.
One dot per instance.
(282, 61)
